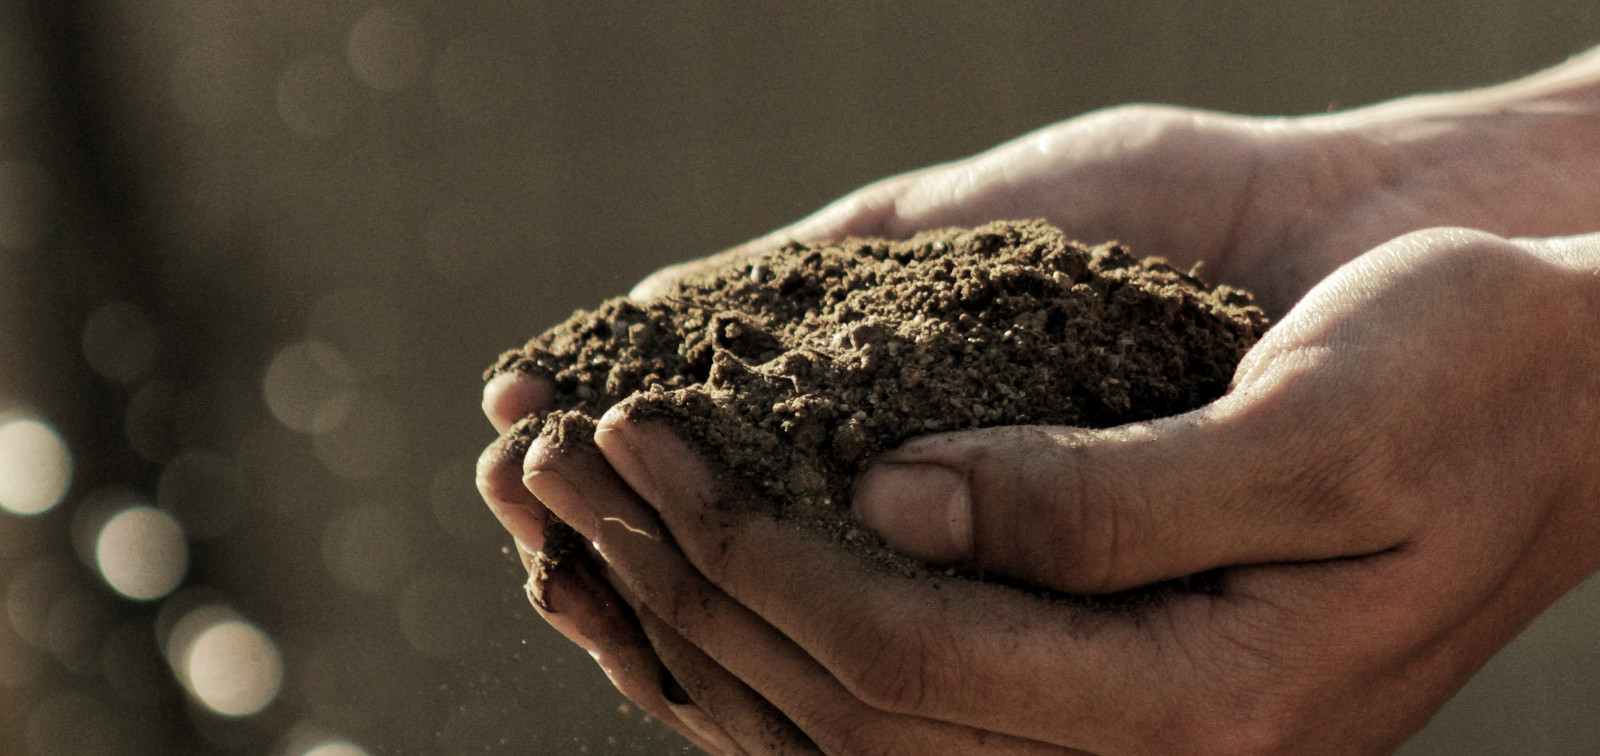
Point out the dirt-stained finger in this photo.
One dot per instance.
(512, 394)
(499, 480)
(569, 593)
(582, 488)
(745, 717)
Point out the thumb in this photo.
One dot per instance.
(1099, 511)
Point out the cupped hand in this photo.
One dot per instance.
(1272, 205)
(1403, 476)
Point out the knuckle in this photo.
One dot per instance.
(1345, 482)
(883, 667)
(1450, 262)
(686, 611)
(1087, 529)
(717, 555)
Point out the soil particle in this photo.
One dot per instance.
(791, 370)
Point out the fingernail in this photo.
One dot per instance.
(525, 554)
(921, 510)
(542, 595)
(512, 395)
(614, 440)
(522, 522)
(696, 719)
(538, 590)
(558, 495)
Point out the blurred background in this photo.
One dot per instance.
(254, 255)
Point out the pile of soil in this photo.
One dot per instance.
(792, 369)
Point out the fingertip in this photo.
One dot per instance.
(704, 726)
(571, 595)
(539, 455)
(654, 285)
(921, 510)
(565, 624)
(619, 439)
(513, 395)
(557, 493)
(498, 472)
(500, 484)
(527, 554)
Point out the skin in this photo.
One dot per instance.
(1405, 472)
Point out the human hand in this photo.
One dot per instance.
(1404, 475)
(1270, 205)
(1316, 190)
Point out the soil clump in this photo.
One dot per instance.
(791, 370)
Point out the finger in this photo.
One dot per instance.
(579, 604)
(499, 479)
(581, 487)
(1099, 511)
(752, 725)
(988, 656)
(512, 394)
(1286, 468)
(582, 607)
(660, 282)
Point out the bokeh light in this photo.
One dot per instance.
(386, 48)
(35, 467)
(308, 387)
(89, 516)
(226, 663)
(119, 341)
(141, 553)
(335, 748)
(182, 618)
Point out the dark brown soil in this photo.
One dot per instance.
(793, 369)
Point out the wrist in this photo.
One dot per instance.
(1518, 159)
